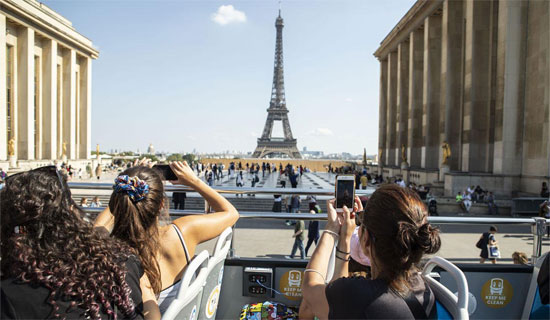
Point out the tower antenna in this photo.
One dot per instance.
(280, 8)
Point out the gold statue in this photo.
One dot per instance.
(446, 152)
(379, 155)
(11, 147)
(97, 149)
(64, 148)
(403, 153)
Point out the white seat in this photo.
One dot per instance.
(187, 303)
(456, 306)
(212, 288)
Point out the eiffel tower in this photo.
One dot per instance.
(277, 110)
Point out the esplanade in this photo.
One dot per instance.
(465, 94)
(45, 81)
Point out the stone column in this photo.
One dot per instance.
(416, 67)
(85, 108)
(431, 92)
(382, 151)
(402, 120)
(451, 79)
(49, 100)
(477, 86)
(391, 142)
(512, 34)
(69, 105)
(3, 97)
(25, 94)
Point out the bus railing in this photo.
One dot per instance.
(538, 225)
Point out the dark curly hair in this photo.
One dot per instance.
(136, 223)
(396, 220)
(55, 248)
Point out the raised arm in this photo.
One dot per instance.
(200, 228)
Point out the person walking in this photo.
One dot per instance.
(179, 200)
(239, 181)
(277, 203)
(363, 181)
(467, 201)
(493, 209)
(544, 192)
(487, 240)
(98, 171)
(313, 227)
(293, 177)
(299, 237)
(545, 213)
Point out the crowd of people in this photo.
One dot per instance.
(55, 264)
(128, 265)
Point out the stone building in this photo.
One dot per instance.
(465, 93)
(45, 86)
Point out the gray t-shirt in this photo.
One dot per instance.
(361, 298)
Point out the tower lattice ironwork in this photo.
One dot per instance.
(277, 110)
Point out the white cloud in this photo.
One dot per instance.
(228, 14)
(349, 100)
(321, 132)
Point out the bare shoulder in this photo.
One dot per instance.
(169, 240)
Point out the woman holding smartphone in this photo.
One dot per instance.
(133, 217)
(394, 234)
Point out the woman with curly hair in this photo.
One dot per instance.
(53, 264)
(133, 217)
(394, 234)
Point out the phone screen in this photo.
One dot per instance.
(165, 172)
(344, 193)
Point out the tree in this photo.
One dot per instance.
(179, 157)
(151, 156)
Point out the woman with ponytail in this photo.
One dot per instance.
(133, 217)
(54, 265)
(394, 235)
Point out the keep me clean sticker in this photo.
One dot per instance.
(497, 293)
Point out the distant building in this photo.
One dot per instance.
(151, 149)
(45, 85)
(465, 94)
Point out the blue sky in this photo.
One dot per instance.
(174, 74)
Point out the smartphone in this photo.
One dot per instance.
(165, 172)
(345, 192)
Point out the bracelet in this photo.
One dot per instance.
(332, 233)
(313, 270)
(342, 251)
(346, 260)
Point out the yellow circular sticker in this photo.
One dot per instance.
(212, 303)
(291, 284)
(497, 293)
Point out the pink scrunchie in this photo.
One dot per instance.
(356, 251)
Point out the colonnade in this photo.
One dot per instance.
(45, 101)
(445, 73)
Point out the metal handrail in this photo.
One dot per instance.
(323, 216)
(230, 190)
(538, 225)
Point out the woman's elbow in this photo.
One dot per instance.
(234, 216)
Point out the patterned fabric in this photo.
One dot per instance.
(133, 186)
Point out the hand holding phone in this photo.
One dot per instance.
(345, 192)
(165, 172)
